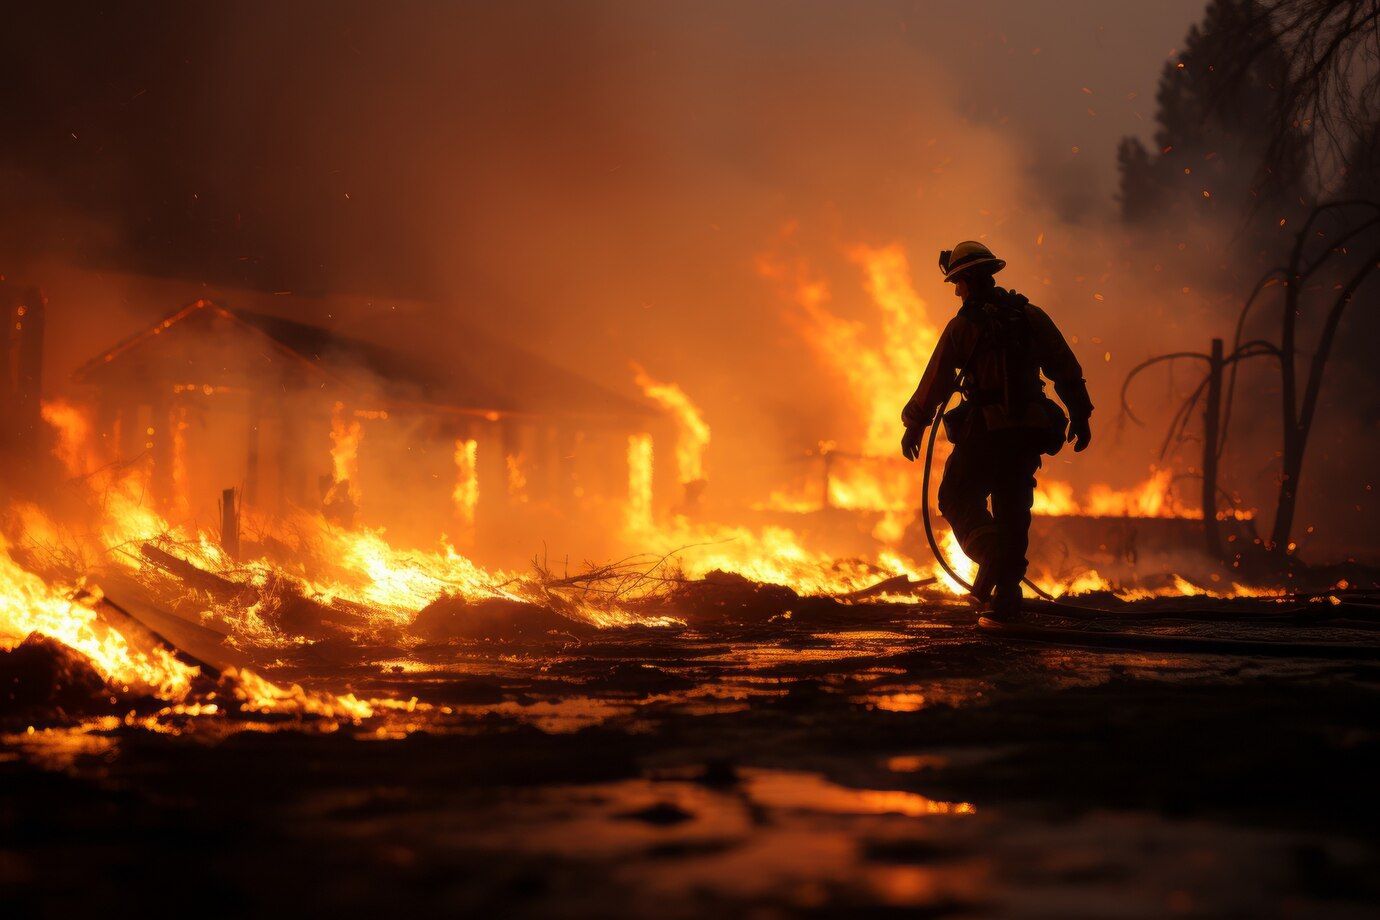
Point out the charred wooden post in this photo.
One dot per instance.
(827, 456)
(1211, 421)
(229, 523)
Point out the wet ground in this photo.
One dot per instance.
(867, 760)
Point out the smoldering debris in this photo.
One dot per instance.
(45, 682)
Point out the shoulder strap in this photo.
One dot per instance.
(978, 347)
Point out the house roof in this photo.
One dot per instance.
(489, 376)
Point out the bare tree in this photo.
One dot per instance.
(1323, 110)
(1331, 88)
(1353, 220)
(1323, 242)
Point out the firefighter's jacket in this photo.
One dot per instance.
(1007, 391)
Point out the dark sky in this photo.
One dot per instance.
(420, 148)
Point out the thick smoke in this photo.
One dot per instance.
(599, 181)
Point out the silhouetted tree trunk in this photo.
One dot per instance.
(1299, 411)
(1212, 415)
(1358, 219)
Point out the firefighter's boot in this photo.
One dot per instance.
(981, 547)
(1006, 600)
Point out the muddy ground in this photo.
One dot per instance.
(840, 761)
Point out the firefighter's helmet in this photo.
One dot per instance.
(966, 255)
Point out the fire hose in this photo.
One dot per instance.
(1120, 639)
(925, 515)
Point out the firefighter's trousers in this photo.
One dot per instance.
(1000, 466)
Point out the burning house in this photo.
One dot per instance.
(288, 414)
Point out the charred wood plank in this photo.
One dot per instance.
(188, 573)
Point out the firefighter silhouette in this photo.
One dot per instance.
(993, 353)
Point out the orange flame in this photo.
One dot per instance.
(181, 474)
(639, 518)
(692, 433)
(73, 430)
(346, 433)
(880, 373)
(1152, 498)
(29, 605)
(466, 492)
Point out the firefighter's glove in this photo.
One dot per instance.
(910, 442)
(1080, 434)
